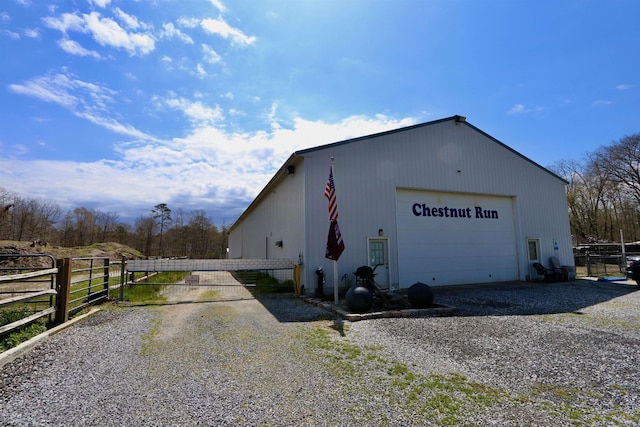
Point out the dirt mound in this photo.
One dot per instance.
(23, 248)
(113, 251)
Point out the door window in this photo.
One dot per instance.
(377, 253)
(379, 260)
(534, 248)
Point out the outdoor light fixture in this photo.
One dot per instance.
(460, 119)
(380, 232)
(279, 243)
(291, 170)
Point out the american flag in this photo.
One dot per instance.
(330, 193)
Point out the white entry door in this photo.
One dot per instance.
(379, 259)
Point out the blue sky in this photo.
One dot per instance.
(120, 105)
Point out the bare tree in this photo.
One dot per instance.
(177, 237)
(201, 234)
(66, 230)
(27, 219)
(7, 202)
(107, 222)
(621, 161)
(85, 228)
(162, 216)
(145, 228)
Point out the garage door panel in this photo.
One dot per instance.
(438, 247)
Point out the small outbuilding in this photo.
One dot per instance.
(441, 203)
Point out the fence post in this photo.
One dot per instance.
(107, 276)
(122, 277)
(63, 288)
(588, 265)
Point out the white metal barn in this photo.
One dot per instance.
(441, 203)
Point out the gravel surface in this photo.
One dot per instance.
(528, 355)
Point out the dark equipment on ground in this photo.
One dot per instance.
(633, 269)
(365, 277)
(636, 272)
(320, 287)
(420, 295)
(544, 273)
(359, 299)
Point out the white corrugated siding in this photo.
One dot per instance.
(278, 217)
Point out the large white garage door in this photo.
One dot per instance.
(449, 238)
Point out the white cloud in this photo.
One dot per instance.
(200, 72)
(18, 150)
(521, 109)
(86, 100)
(114, 125)
(188, 22)
(602, 102)
(11, 34)
(105, 31)
(209, 168)
(65, 22)
(74, 48)
(52, 89)
(220, 27)
(4, 17)
(218, 5)
(170, 31)
(517, 109)
(624, 87)
(210, 55)
(197, 112)
(100, 3)
(128, 20)
(32, 33)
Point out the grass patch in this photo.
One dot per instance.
(594, 320)
(571, 403)
(443, 400)
(263, 282)
(150, 289)
(20, 335)
(18, 312)
(209, 295)
(451, 399)
(149, 342)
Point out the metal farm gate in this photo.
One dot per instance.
(208, 279)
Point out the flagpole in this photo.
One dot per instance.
(335, 244)
(336, 298)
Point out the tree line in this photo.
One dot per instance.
(162, 232)
(603, 193)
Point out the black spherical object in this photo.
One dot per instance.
(359, 299)
(420, 295)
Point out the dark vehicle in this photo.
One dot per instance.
(633, 268)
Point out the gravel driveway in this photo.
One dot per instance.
(528, 355)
